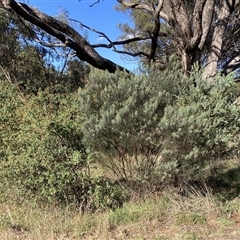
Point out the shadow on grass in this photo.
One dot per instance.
(226, 184)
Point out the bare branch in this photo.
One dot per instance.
(115, 43)
(91, 29)
(142, 6)
(111, 43)
(91, 5)
(133, 54)
(50, 45)
(232, 64)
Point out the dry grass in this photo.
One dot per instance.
(170, 216)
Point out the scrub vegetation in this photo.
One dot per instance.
(88, 154)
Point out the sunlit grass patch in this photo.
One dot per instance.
(190, 218)
(152, 209)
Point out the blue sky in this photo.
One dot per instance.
(101, 17)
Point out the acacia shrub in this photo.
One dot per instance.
(158, 127)
(120, 114)
(202, 126)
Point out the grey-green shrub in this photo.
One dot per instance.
(120, 117)
(201, 125)
(158, 126)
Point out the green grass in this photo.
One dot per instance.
(150, 210)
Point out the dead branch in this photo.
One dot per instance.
(143, 7)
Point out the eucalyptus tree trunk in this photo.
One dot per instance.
(223, 14)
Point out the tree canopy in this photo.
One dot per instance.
(201, 31)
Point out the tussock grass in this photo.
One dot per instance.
(195, 212)
(199, 215)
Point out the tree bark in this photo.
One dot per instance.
(156, 30)
(217, 39)
(232, 65)
(206, 21)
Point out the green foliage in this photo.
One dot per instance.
(32, 67)
(42, 154)
(120, 115)
(158, 126)
(103, 194)
(151, 209)
(9, 121)
(190, 218)
(77, 73)
(21, 64)
(201, 125)
(142, 24)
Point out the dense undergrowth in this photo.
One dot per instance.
(119, 136)
(154, 148)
